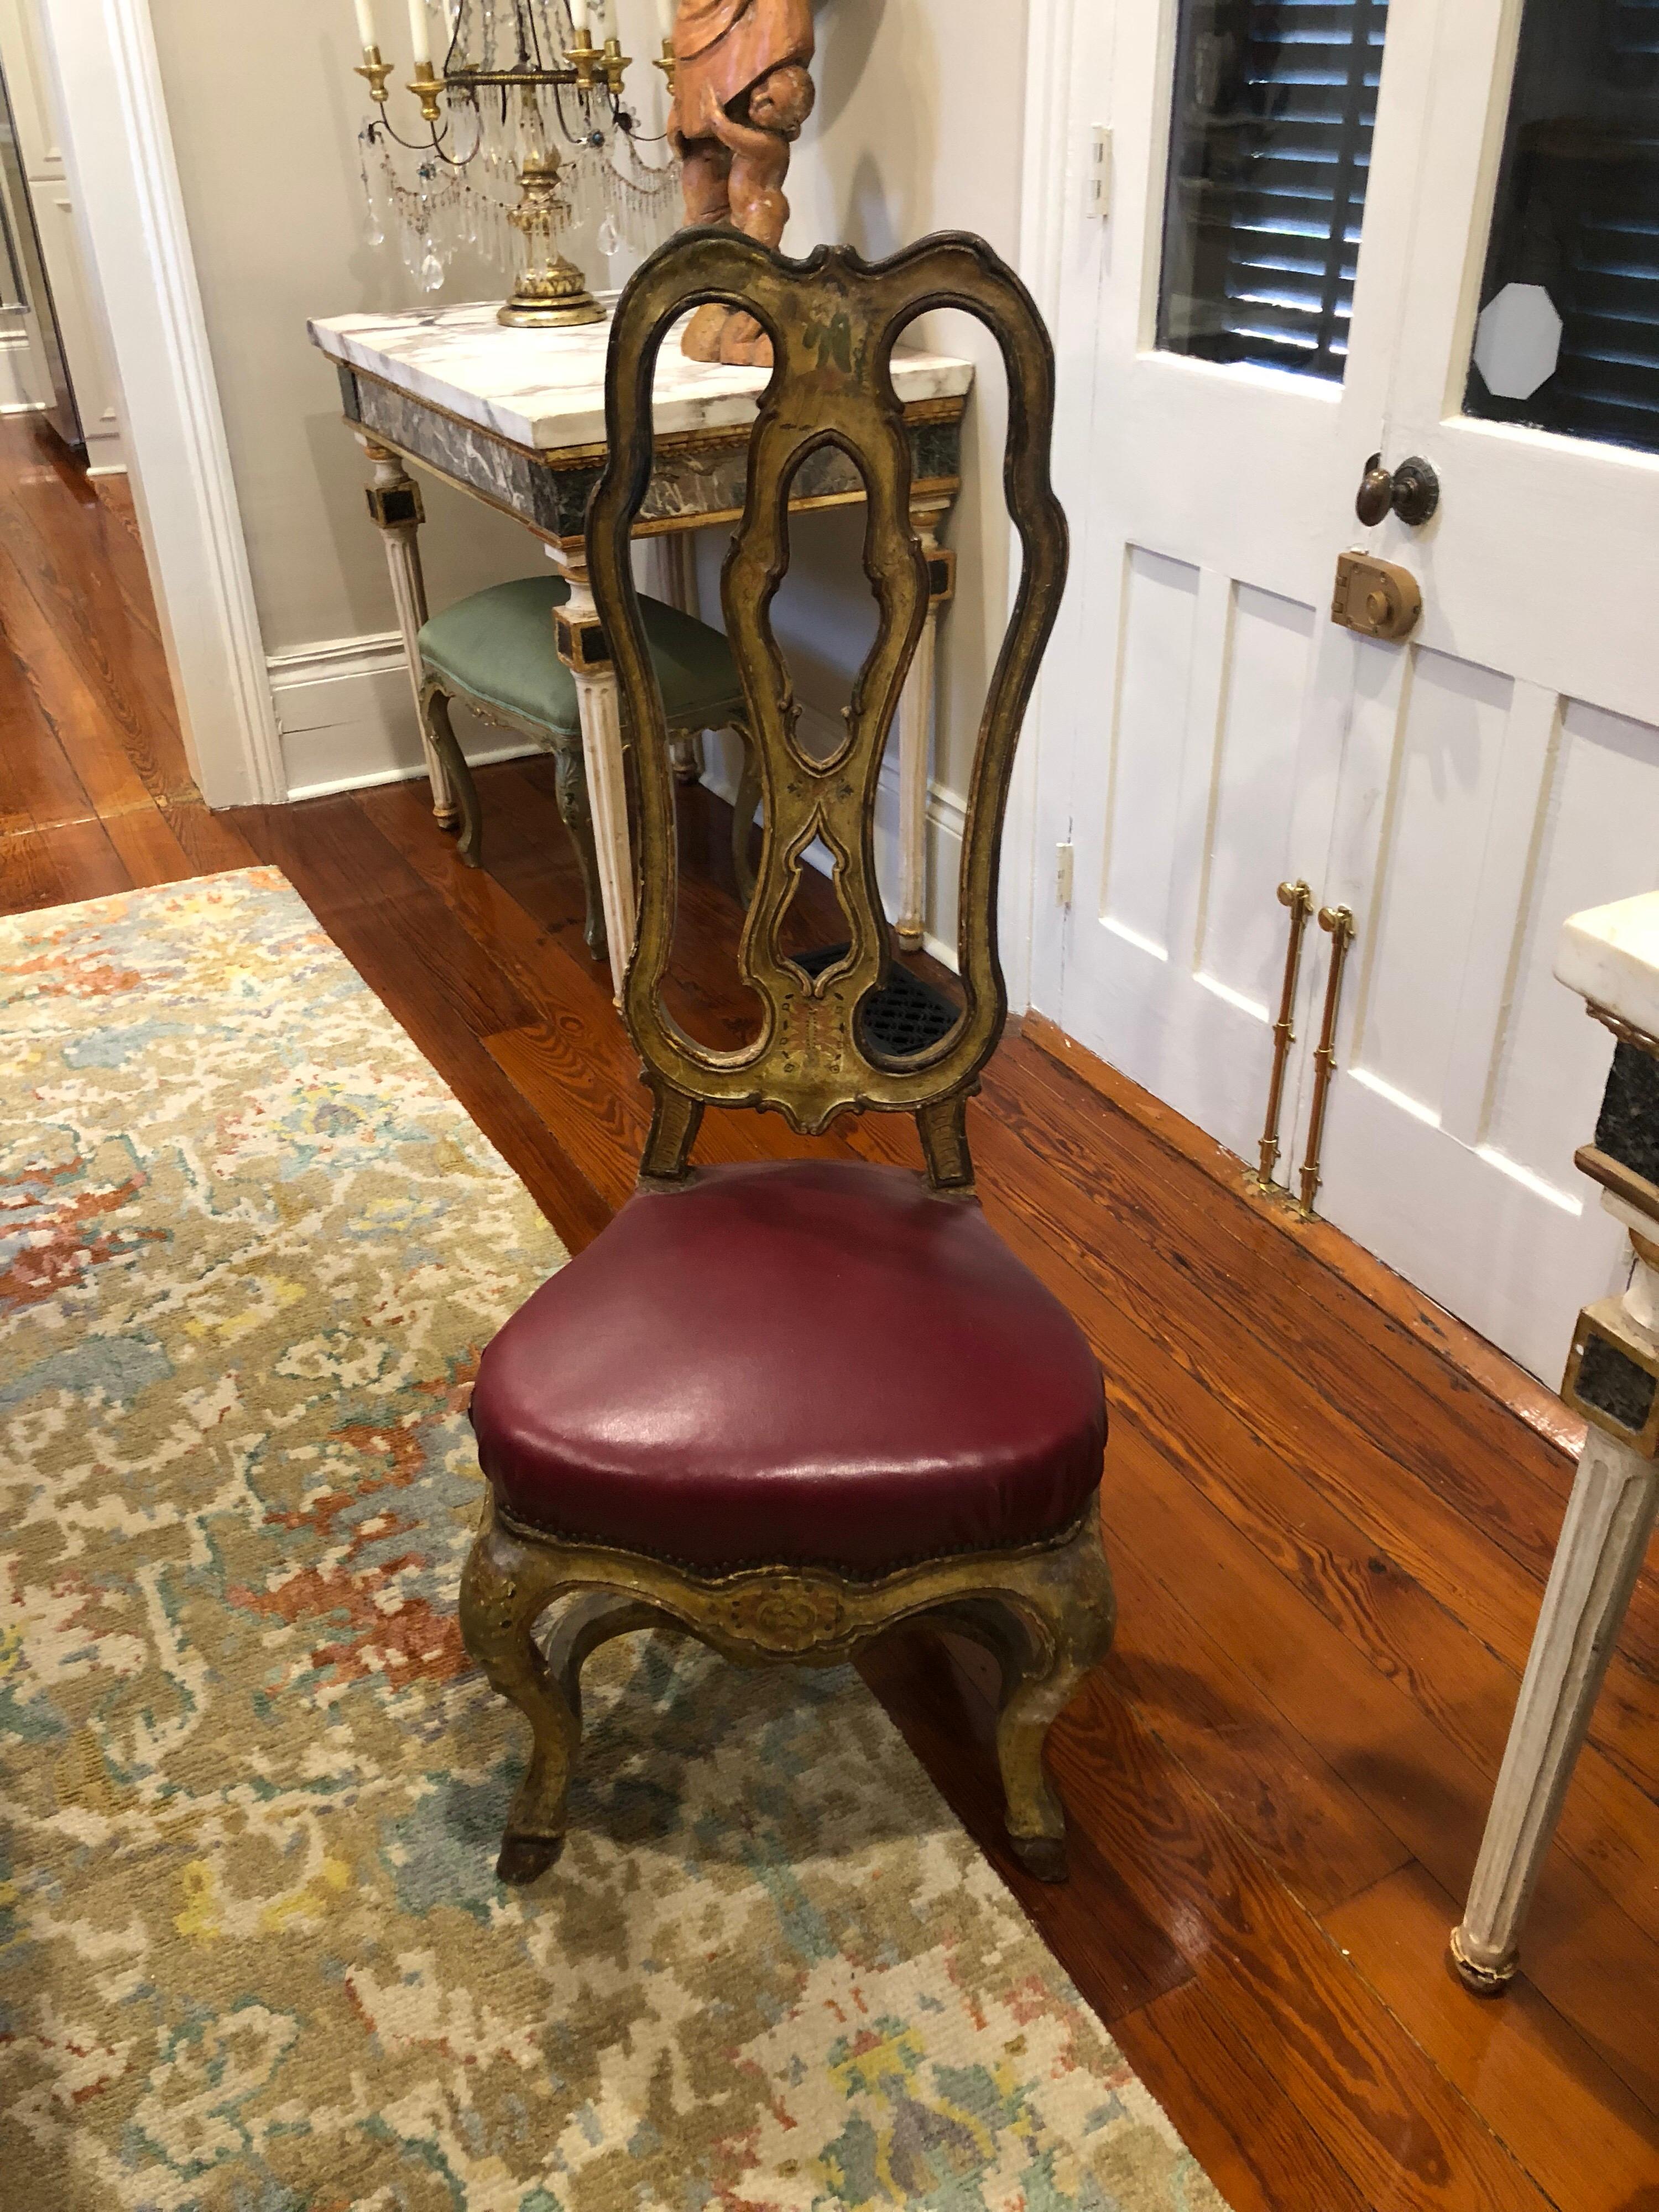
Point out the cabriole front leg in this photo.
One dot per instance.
(576, 812)
(1068, 1618)
(438, 731)
(507, 1588)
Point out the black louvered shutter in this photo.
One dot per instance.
(1275, 101)
(1578, 215)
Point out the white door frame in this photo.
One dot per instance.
(1059, 250)
(120, 156)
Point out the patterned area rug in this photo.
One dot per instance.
(253, 1954)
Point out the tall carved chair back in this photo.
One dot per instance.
(834, 320)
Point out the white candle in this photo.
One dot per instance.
(420, 34)
(670, 9)
(365, 24)
(579, 20)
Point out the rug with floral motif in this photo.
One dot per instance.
(253, 1957)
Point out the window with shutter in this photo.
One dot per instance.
(1275, 101)
(1568, 338)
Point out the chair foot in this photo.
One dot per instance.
(1481, 1981)
(525, 1859)
(1042, 1855)
(465, 815)
(576, 812)
(506, 1589)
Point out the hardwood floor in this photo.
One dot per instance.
(1329, 1533)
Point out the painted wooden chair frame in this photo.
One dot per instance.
(1045, 1611)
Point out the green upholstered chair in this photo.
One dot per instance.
(495, 652)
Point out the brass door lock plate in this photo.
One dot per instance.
(1378, 598)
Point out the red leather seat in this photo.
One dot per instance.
(794, 1363)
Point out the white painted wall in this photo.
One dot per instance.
(253, 145)
(264, 112)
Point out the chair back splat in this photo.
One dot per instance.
(833, 319)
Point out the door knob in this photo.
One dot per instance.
(1412, 491)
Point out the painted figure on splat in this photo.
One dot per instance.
(742, 93)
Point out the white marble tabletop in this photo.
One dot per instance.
(1610, 956)
(546, 388)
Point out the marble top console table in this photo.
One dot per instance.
(516, 418)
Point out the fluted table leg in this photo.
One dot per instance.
(582, 649)
(394, 502)
(1602, 1545)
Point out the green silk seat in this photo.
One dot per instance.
(497, 649)
(497, 652)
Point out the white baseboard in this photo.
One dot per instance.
(946, 821)
(346, 718)
(18, 391)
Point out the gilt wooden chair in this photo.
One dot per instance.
(784, 1406)
(497, 651)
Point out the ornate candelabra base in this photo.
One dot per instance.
(556, 298)
(551, 294)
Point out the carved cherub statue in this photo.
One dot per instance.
(742, 92)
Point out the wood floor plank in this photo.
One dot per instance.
(1333, 1467)
(1502, 1482)
(1397, 2125)
(938, 1690)
(1237, 2115)
(39, 786)
(212, 842)
(99, 746)
(1427, 1792)
(92, 614)
(1166, 1378)
(1586, 2141)
(148, 849)
(1319, 1838)
(59, 867)
(1465, 1356)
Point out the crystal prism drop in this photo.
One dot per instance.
(608, 241)
(432, 273)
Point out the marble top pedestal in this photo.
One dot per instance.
(517, 419)
(545, 389)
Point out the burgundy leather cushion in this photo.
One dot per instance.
(793, 1362)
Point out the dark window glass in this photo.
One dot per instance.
(1269, 152)
(1568, 338)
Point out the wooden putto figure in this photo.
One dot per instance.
(742, 91)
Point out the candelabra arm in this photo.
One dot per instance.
(667, 64)
(586, 61)
(428, 89)
(376, 71)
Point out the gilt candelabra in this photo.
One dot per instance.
(526, 135)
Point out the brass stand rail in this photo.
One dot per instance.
(1339, 922)
(1299, 899)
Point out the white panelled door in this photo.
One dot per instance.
(1322, 213)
